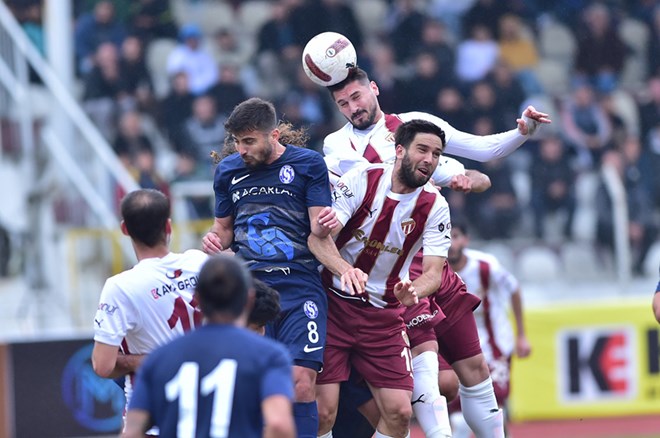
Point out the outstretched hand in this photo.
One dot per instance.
(530, 120)
(405, 292)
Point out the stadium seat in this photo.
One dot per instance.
(252, 15)
(156, 57)
(371, 15)
(538, 263)
(554, 76)
(580, 261)
(502, 251)
(557, 43)
(210, 15)
(635, 35)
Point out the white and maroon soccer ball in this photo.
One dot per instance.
(328, 57)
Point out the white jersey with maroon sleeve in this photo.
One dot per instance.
(382, 231)
(349, 146)
(150, 304)
(496, 300)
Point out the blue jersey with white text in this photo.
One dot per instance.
(212, 379)
(270, 205)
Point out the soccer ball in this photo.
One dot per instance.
(328, 57)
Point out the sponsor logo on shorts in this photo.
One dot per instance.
(420, 319)
(310, 309)
(309, 349)
(287, 174)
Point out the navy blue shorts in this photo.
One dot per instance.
(303, 322)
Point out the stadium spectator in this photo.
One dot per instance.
(136, 85)
(152, 19)
(476, 56)
(176, 107)
(654, 43)
(404, 27)
(189, 56)
(642, 229)
(518, 50)
(649, 106)
(102, 90)
(553, 186)
(450, 104)
(601, 52)
(92, 30)
(483, 103)
(587, 129)
(229, 90)
(485, 13)
(419, 91)
(248, 374)
(510, 94)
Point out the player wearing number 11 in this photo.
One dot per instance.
(153, 302)
(220, 380)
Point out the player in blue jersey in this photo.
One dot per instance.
(268, 199)
(220, 380)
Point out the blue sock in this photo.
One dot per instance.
(306, 417)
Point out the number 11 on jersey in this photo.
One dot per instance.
(187, 387)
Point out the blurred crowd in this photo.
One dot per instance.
(159, 77)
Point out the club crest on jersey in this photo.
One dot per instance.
(390, 137)
(287, 174)
(408, 226)
(311, 310)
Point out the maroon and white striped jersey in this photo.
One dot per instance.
(497, 299)
(349, 147)
(384, 230)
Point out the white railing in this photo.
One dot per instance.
(622, 252)
(70, 172)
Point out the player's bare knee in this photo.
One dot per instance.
(398, 415)
(327, 416)
(448, 382)
(304, 384)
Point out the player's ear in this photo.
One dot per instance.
(374, 88)
(275, 134)
(168, 226)
(124, 230)
(400, 151)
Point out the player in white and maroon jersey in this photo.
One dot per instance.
(368, 137)
(150, 304)
(387, 212)
(498, 289)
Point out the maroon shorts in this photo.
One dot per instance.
(421, 320)
(460, 340)
(372, 340)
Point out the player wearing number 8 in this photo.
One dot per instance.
(150, 304)
(220, 380)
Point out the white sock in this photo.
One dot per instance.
(429, 406)
(480, 410)
(326, 435)
(380, 435)
(459, 426)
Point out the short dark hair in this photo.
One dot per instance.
(266, 304)
(354, 74)
(407, 131)
(223, 286)
(145, 213)
(460, 225)
(254, 114)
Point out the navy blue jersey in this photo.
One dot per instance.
(270, 206)
(214, 377)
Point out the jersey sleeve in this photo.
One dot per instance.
(447, 168)
(436, 238)
(348, 194)
(473, 147)
(223, 205)
(318, 188)
(339, 156)
(115, 315)
(276, 379)
(505, 282)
